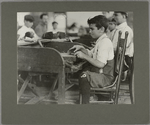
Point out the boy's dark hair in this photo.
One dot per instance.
(54, 23)
(29, 18)
(123, 13)
(44, 14)
(100, 21)
(28, 34)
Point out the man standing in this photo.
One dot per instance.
(121, 20)
(41, 28)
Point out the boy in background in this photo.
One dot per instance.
(21, 33)
(111, 28)
(42, 27)
(54, 25)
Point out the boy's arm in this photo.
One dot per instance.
(28, 39)
(86, 57)
(76, 48)
(104, 52)
(38, 32)
(22, 42)
(94, 62)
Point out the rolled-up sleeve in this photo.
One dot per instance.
(90, 52)
(103, 53)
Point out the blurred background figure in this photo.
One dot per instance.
(111, 28)
(54, 33)
(55, 30)
(108, 14)
(41, 28)
(55, 25)
(73, 30)
(24, 33)
(84, 36)
(82, 31)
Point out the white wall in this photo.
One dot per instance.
(80, 17)
(20, 17)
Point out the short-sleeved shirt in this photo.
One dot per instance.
(40, 29)
(103, 52)
(103, 49)
(22, 31)
(130, 46)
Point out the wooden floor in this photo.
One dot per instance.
(71, 95)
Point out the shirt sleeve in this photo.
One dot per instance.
(20, 33)
(103, 52)
(90, 52)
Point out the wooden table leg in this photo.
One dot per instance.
(53, 87)
(23, 88)
(61, 87)
(28, 85)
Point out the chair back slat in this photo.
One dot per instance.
(121, 48)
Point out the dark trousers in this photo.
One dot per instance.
(84, 88)
(84, 85)
(129, 60)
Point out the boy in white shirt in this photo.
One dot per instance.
(100, 68)
(21, 33)
(111, 28)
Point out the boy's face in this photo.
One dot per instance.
(94, 31)
(45, 19)
(111, 26)
(119, 18)
(28, 24)
(55, 26)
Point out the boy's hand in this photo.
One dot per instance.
(93, 44)
(76, 48)
(80, 55)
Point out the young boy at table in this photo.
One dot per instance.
(100, 68)
(26, 29)
(121, 20)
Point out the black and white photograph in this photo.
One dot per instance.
(75, 57)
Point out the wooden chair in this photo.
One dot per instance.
(36, 61)
(131, 83)
(112, 91)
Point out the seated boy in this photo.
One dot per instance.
(98, 72)
(21, 34)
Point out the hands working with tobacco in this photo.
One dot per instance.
(78, 51)
(81, 53)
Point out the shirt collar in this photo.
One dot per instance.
(102, 37)
(122, 25)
